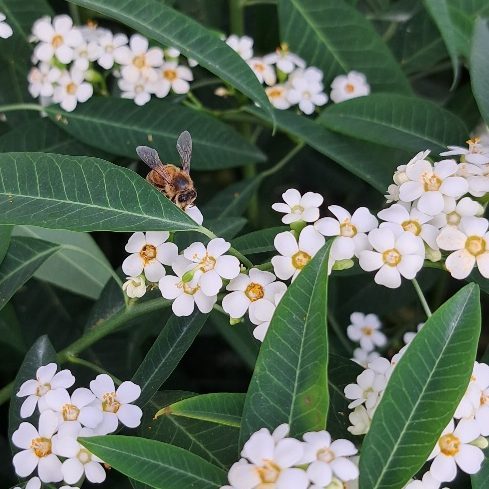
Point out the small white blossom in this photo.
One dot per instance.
(427, 482)
(393, 256)
(306, 90)
(474, 399)
(5, 30)
(212, 264)
(139, 90)
(72, 89)
(477, 153)
(149, 252)
(470, 246)
(58, 38)
(277, 94)
(392, 194)
(455, 211)
(116, 404)
(263, 71)
(363, 357)
(369, 387)
(84, 54)
(108, 44)
(360, 421)
(364, 328)
(351, 85)
(295, 255)
(285, 61)
(34, 483)
(242, 45)
(134, 287)
(173, 77)
(42, 80)
(36, 389)
(299, 207)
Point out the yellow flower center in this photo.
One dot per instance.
(453, 218)
(475, 245)
(148, 253)
(42, 389)
(84, 456)
(297, 209)
(268, 472)
(41, 447)
(349, 88)
(70, 412)
(208, 263)
(139, 61)
(170, 75)
(254, 291)
(187, 288)
(473, 144)
(347, 229)
(57, 41)
(110, 404)
(431, 182)
(275, 92)
(367, 330)
(260, 67)
(391, 257)
(449, 445)
(412, 226)
(484, 398)
(325, 455)
(71, 88)
(300, 260)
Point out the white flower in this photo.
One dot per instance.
(84, 54)
(299, 207)
(402, 217)
(263, 71)
(360, 421)
(368, 389)
(476, 153)
(34, 483)
(286, 61)
(363, 357)
(35, 389)
(74, 408)
(409, 336)
(392, 194)
(470, 245)
(475, 175)
(138, 59)
(185, 293)
(79, 462)
(42, 80)
(277, 94)
(134, 287)
(242, 45)
(116, 404)
(109, 43)
(72, 89)
(58, 38)
(327, 458)
(174, 77)
(212, 265)
(194, 213)
(139, 90)
(306, 90)
(294, 256)
(269, 462)
(454, 449)
(364, 328)
(172, 53)
(430, 184)
(149, 252)
(350, 229)
(427, 482)
(393, 256)
(38, 449)
(5, 30)
(351, 85)
(474, 398)
(454, 211)
(92, 33)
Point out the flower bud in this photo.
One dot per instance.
(234, 321)
(343, 264)
(298, 226)
(480, 442)
(188, 276)
(93, 76)
(432, 255)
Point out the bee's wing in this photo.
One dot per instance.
(151, 158)
(184, 148)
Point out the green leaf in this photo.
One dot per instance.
(5, 233)
(409, 123)
(370, 162)
(82, 194)
(290, 381)
(79, 266)
(171, 28)
(24, 257)
(41, 353)
(337, 38)
(481, 479)
(118, 126)
(215, 442)
(174, 340)
(157, 464)
(479, 67)
(258, 241)
(423, 393)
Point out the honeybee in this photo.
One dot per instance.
(174, 182)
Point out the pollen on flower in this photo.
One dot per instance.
(188, 289)
(297, 209)
(391, 257)
(71, 88)
(432, 183)
(70, 412)
(412, 226)
(42, 389)
(208, 263)
(349, 87)
(325, 455)
(453, 218)
(268, 472)
(109, 403)
(170, 75)
(148, 253)
(139, 61)
(449, 445)
(254, 292)
(41, 447)
(475, 245)
(57, 41)
(84, 456)
(300, 259)
(347, 229)
(367, 331)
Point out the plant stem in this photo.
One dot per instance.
(422, 298)
(236, 19)
(12, 107)
(278, 166)
(75, 14)
(92, 366)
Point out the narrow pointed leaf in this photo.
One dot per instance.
(337, 38)
(24, 257)
(422, 394)
(154, 463)
(82, 194)
(171, 28)
(174, 340)
(5, 234)
(409, 123)
(479, 67)
(118, 126)
(290, 381)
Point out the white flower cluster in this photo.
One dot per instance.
(71, 61)
(365, 330)
(461, 441)
(277, 461)
(52, 447)
(5, 29)
(290, 83)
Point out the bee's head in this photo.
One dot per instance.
(186, 198)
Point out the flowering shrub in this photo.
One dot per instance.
(298, 293)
